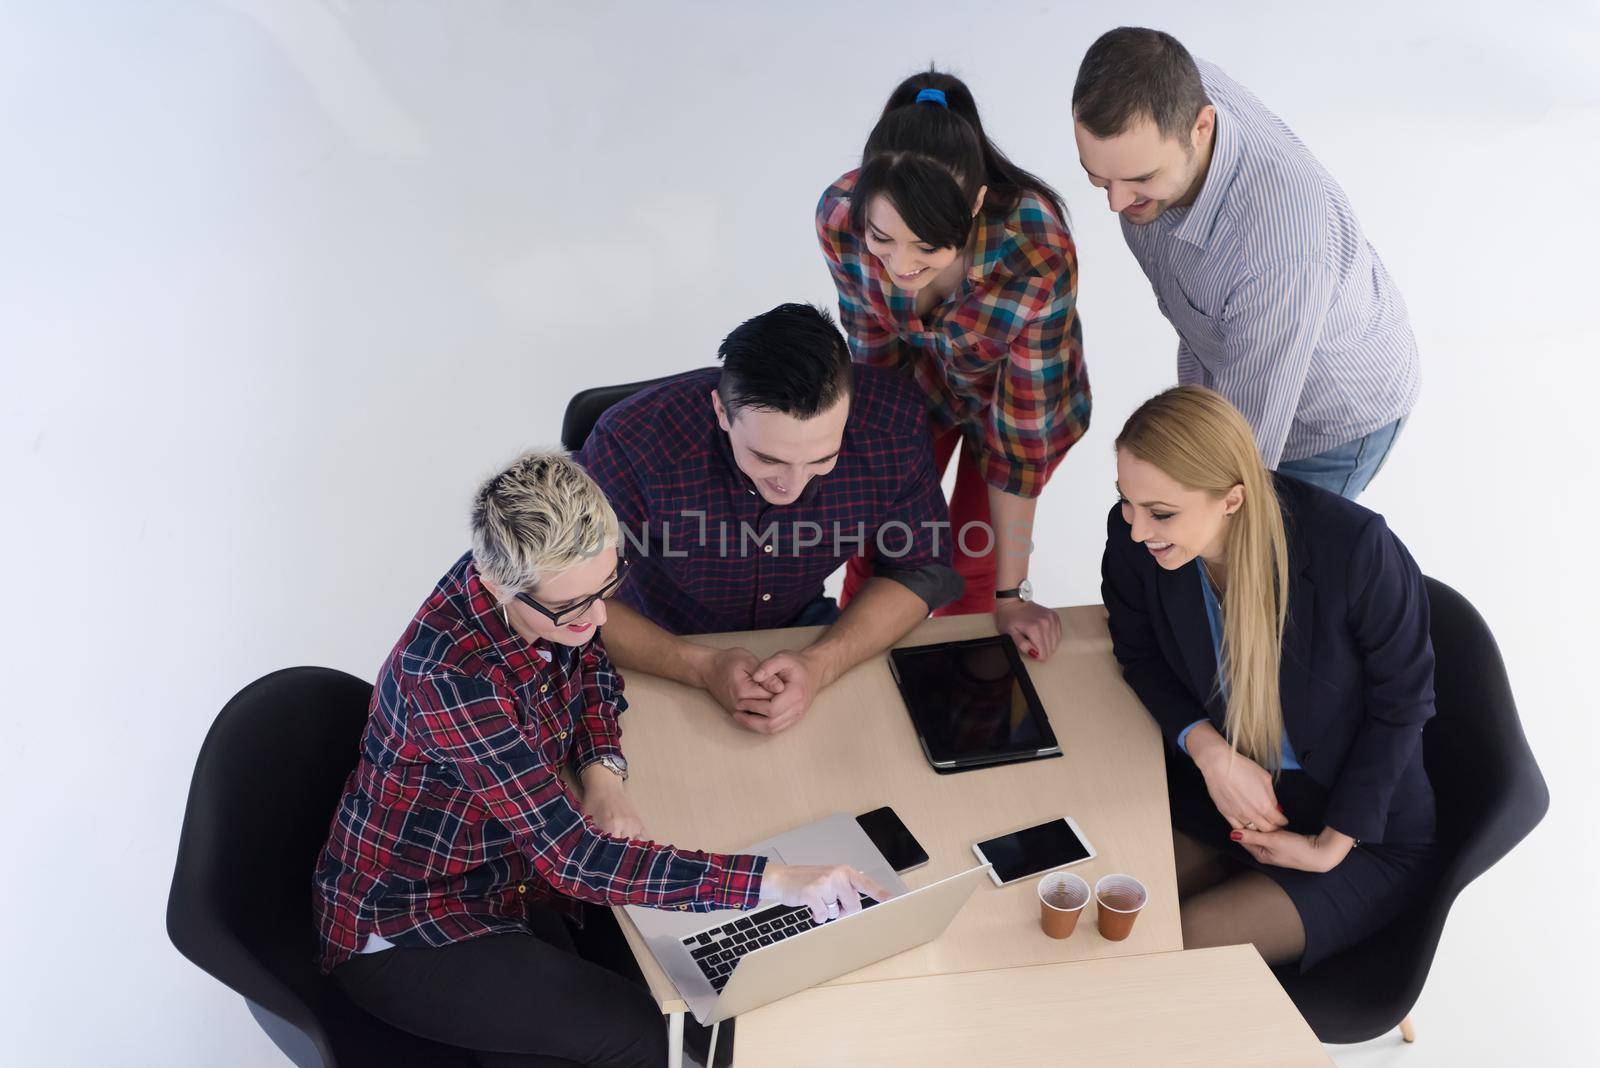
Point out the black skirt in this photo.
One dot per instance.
(1372, 886)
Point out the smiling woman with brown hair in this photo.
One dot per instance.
(1278, 634)
(955, 267)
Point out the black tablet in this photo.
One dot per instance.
(972, 703)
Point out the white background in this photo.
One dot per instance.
(282, 279)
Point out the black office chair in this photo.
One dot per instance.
(1490, 795)
(586, 408)
(265, 785)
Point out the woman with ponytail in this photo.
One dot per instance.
(955, 266)
(1278, 634)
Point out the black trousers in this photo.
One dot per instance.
(553, 998)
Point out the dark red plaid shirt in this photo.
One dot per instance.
(707, 553)
(456, 817)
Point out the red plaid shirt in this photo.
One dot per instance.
(1002, 359)
(456, 817)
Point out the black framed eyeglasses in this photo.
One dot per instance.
(567, 613)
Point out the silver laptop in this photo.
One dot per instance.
(728, 962)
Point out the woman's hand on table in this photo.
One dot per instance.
(1035, 628)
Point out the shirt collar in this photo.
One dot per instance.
(517, 651)
(993, 238)
(1201, 219)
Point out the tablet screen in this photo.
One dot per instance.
(972, 700)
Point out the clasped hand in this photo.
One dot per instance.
(1242, 791)
(1303, 852)
(1239, 787)
(765, 696)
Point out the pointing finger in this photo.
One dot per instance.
(865, 884)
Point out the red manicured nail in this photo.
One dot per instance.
(1033, 654)
(1237, 836)
(1280, 808)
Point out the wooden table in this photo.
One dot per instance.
(1203, 1007)
(701, 781)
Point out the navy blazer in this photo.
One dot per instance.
(1357, 676)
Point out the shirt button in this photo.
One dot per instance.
(683, 908)
(766, 548)
(545, 688)
(766, 596)
(522, 888)
(563, 734)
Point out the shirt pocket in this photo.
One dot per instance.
(972, 370)
(1200, 328)
(547, 726)
(442, 835)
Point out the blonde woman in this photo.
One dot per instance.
(457, 851)
(1279, 636)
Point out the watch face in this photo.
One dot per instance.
(1025, 591)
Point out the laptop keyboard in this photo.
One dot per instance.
(717, 951)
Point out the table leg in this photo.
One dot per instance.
(675, 1040)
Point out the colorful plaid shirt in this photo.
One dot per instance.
(456, 817)
(707, 553)
(1002, 359)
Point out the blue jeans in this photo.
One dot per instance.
(1347, 469)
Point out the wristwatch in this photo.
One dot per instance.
(616, 765)
(1023, 592)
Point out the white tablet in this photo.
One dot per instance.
(1034, 851)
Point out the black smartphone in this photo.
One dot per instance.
(897, 844)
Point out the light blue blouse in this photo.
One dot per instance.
(1214, 621)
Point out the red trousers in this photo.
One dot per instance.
(968, 504)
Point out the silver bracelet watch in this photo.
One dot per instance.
(617, 765)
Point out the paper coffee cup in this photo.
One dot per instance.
(1118, 899)
(1061, 900)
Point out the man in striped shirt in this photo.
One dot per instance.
(1256, 257)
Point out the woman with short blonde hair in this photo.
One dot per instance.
(458, 852)
(538, 517)
(1279, 635)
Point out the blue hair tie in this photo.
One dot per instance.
(935, 96)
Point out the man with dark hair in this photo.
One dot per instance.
(1255, 254)
(739, 491)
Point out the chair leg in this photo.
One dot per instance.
(1407, 1031)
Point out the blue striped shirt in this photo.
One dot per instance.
(1280, 302)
